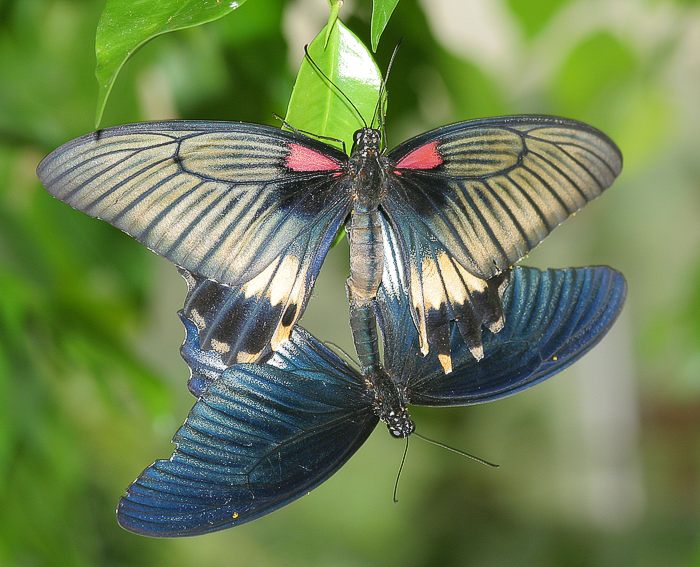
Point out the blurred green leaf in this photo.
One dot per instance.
(381, 12)
(594, 68)
(125, 26)
(318, 107)
(533, 16)
(473, 92)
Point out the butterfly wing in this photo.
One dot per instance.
(552, 318)
(206, 365)
(556, 316)
(245, 205)
(469, 200)
(259, 437)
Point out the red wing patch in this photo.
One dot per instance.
(424, 157)
(301, 158)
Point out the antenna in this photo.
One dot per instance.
(337, 88)
(398, 475)
(458, 451)
(379, 108)
(382, 89)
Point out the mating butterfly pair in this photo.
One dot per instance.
(434, 226)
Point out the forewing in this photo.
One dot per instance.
(552, 318)
(221, 199)
(490, 190)
(259, 437)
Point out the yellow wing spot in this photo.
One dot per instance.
(445, 362)
(275, 282)
(281, 334)
(198, 319)
(453, 282)
(284, 279)
(257, 286)
(497, 326)
(220, 347)
(433, 290)
(244, 357)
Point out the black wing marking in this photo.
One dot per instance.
(490, 190)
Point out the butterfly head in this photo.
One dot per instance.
(389, 404)
(366, 142)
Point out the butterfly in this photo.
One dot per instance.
(256, 208)
(262, 435)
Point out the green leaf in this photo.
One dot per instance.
(594, 69)
(381, 12)
(316, 106)
(125, 26)
(534, 16)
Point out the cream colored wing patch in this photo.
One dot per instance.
(441, 290)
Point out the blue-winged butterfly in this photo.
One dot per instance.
(256, 208)
(262, 435)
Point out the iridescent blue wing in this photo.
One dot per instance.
(259, 437)
(469, 200)
(245, 205)
(552, 318)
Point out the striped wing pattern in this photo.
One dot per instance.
(552, 318)
(215, 198)
(490, 190)
(259, 437)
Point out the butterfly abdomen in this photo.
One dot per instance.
(366, 268)
(366, 254)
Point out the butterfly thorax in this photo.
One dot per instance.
(366, 170)
(389, 403)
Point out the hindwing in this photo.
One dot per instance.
(259, 437)
(440, 290)
(552, 318)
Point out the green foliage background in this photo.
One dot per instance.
(599, 467)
